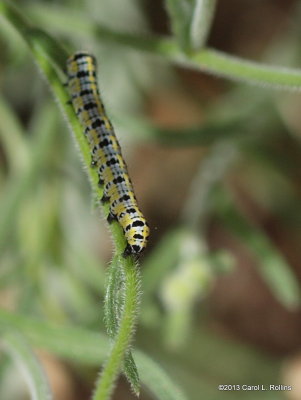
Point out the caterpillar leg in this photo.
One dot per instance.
(111, 217)
(105, 199)
(127, 251)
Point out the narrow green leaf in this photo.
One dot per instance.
(13, 139)
(17, 188)
(90, 348)
(29, 365)
(156, 380)
(201, 22)
(113, 298)
(179, 14)
(131, 373)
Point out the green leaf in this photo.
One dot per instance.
(90, 348)
(29, 365)
(201, 22)
(179, 14)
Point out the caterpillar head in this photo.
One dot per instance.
(79, 61)
(136, 236)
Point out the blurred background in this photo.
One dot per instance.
(216, 170)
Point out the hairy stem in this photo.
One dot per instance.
(113, 366)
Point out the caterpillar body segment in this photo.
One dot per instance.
(105, 151)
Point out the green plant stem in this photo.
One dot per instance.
(201, 22)
(211, 61)
(105, 384)
(50, 55)
(208, 60)
(114, 305)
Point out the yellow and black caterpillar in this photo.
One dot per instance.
(105, 151)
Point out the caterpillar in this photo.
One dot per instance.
(105, 151)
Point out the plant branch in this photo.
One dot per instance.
(124, 335)
(208, 60)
